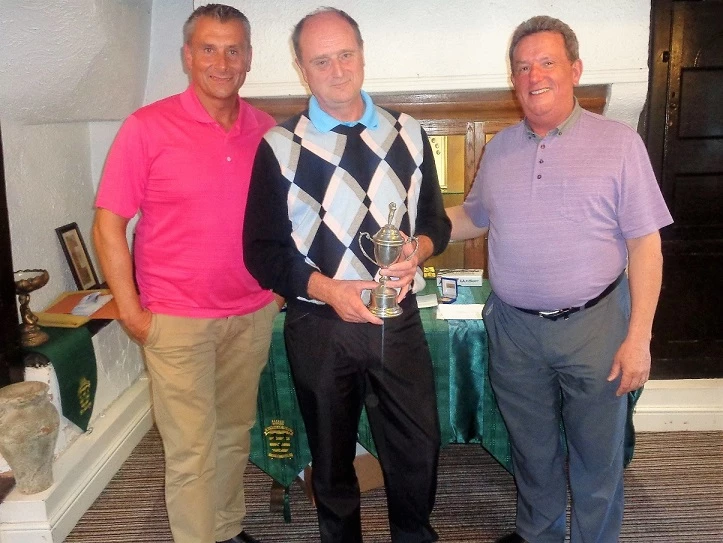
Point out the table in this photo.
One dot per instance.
(467, 408)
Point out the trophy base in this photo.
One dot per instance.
(32, 335)
(383, 303)
(386, 312)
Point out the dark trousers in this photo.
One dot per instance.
(337, 368)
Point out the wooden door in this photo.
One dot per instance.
(685, 140)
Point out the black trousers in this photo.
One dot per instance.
(337, 368)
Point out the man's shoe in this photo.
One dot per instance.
(514, 537)
(243, 537)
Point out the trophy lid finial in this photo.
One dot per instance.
(389, 235)
(392, 211)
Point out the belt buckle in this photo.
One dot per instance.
(554, 315)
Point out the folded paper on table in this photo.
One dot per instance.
(91, 303)
(459, 311)
(426, 300)
(60, 312)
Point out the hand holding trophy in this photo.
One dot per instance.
(388, 244)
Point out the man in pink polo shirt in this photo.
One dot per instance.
(204, 322)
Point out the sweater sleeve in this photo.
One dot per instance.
(432, 220)
(270, 254)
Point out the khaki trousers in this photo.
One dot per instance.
(204, 381)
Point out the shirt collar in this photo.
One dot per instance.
(194, 107)
(563, 127)
(324, 122)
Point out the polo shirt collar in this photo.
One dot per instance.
(563, 127)
(194, 107)
(324, 122)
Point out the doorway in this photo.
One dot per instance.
(684, 136)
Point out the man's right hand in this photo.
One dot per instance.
(343, 296)
(138, 326)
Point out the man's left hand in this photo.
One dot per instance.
(632, 361)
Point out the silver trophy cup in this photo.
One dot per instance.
(388, 244)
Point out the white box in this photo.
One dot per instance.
(465, 278)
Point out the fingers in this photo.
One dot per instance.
(632, 364)
(614, 371)
(624, 388)
(631, 382)
(348, 304)
(139, 326)
(403, 292)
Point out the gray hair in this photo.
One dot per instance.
(296, 34)
(543, 23)
(221, 13)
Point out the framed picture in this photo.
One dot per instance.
(78, 258)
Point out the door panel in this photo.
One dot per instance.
(700, 90)
(685, 140)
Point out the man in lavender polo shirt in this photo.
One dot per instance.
(569, 201)
(184, 163)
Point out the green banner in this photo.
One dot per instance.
(278, 440)
(70, 351)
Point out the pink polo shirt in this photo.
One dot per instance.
(189, 180)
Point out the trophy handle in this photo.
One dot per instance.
(411, 239)
(361, 235)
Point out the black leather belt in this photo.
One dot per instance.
(565, 313)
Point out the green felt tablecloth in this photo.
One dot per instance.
(467, 408)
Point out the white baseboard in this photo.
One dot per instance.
(684, 404)
(81, 473)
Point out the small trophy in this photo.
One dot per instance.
(388, 243)
(26, 281)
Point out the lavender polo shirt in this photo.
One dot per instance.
(189, 179)
(560, 208)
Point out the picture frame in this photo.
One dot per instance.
(81, 266)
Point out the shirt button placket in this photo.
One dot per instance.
(540, 160)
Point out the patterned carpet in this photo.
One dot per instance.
(674, 494)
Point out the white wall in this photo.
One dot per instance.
(48, 184)
(458, 44)
(165, 68)
(75, 60)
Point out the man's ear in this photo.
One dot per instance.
(187, 58)
(576, 71)
(301, 69)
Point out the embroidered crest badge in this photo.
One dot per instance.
(278, 436)
(84, 399)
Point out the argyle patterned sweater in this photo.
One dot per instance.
(312, 193)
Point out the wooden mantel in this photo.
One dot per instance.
(465, 105)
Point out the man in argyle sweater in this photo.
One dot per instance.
(320, 179)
